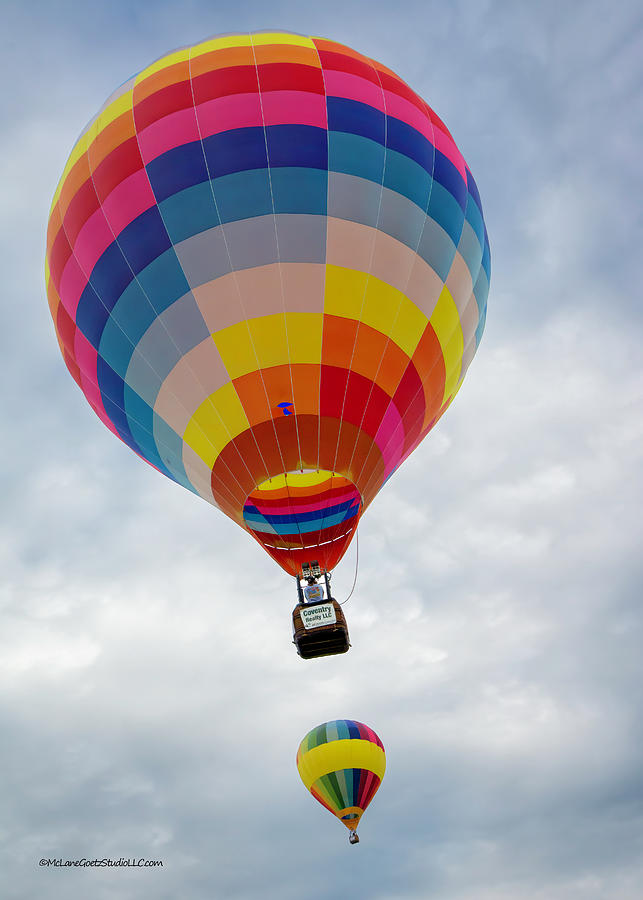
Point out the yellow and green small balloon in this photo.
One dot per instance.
(342, 764)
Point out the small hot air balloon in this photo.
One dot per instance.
(268, 268)
(342, 764)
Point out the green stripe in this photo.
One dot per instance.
(330, 782)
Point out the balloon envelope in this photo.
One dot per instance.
(268, 268)
(342, 764)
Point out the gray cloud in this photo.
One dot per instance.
(151, 702)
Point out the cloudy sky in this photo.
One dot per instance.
(151, 702)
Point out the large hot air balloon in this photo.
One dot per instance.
(342, 764)
(267, 267)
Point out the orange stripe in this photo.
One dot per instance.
(225, 58)
(168, 75)
(79, 174)
(286, 53)
(111, 136)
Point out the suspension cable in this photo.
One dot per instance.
(356, 565)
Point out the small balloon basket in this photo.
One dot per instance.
(318, 622)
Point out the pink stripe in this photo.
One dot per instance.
(370, 735)
(403, 109)
(224, 113)
(87, 360)
(165, 134)
(390, 437)
(102, 415)
(294, 107)
(86, 356)
(72, 284)
(93, 239)
(92, 392)
(128, 200)
(353, 87)
(366, 787)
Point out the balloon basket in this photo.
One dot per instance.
(319, 629)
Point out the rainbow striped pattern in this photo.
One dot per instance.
(267, 268)
(342, 764)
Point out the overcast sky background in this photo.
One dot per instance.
(151, 702)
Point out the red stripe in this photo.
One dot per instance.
(58, 258)
(118, 165)
(289, 77)
(340, 63)
(224, 82)
(160, 104)
(83, 205)
(397, 86)
(66, 330)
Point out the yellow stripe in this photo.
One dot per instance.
(337, 755)
(270, 341)
(358, 295)
(294, 479)
(121, 104)
(281, 37)
(205, 432)
(164, 62)
(446, 324)
(221, 43)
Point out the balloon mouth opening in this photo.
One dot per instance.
(308, 480)
(303, 510)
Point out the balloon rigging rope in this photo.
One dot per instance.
(356, 567)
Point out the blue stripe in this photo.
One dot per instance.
(305, 527)
(357, 774)
(176, 170)
(111, 275)
(446, 212)
(112, 390)
(300, 190)
(235, 151)
(406, 177)
(297, 145)
(140, 419)
(353, 154)
(163, 280)
(473, 190)
(170, 446)
(474, 218)
(189, 212)
(486, 256)
(407, 140)
(450, 178)
(251, 510)
(355, 118)
(133, 314)
(91, 315)
(115, 348)
(353, 730)
(144, 239)
(243, 195)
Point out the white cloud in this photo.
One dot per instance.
(151, 701)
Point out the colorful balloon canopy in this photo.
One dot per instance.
(268, 268)
(342, 764)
